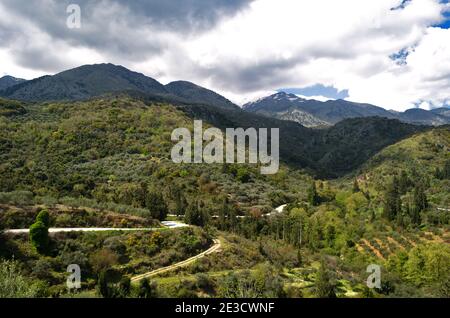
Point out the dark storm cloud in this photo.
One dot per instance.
(128, 30)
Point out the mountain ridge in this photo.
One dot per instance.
(8, 81)
(283, 105)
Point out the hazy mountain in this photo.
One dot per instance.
(197, 94)
(424, 117)
(443, 111)
(8, 81)
(284, 106)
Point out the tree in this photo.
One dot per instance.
(44, 217)
(420, 198)
(180, 203)
(313, 197)
(224, 213)
(111, 284)
(195, 215)
(102, 285)
(155, 203)
(147, 289)
(39, 231)
(392, 201)
(325, 285)
(39, 236)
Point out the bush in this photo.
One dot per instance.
(103, 259)
(147, 289)
(39, 236)
(16, 197)
(12, 283)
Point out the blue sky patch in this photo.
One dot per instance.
(400, 57)
(445, 24)
(317, 90)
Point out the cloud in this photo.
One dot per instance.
(391, 53)
(328, 92)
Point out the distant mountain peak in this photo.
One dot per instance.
(9, 81)
(310, 112)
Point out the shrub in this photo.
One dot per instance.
(12, 283)
(103, 259)
(39, 236)
(147, 289)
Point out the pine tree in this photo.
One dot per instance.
(224, 214)
(180, 202)
(313, 197)
(196, 214)
(325, 285)
(392, 201)
(420, 198)
(420, 203)
(155, 203)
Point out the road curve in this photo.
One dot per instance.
(186, 262)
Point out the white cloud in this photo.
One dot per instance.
(270, 44)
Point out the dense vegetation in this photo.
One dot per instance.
(105, 163)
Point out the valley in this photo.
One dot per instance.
(86, 177)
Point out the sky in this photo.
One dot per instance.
(391, 53)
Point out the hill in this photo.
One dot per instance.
(198, 95)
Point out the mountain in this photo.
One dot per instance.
(301, 117)
(330, 112)
(84, 82)
(283, 106)
(423, 117)
(8, 81)
(193, 93)
(443, 111)
(89, 81)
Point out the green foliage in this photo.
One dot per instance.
(196, 214)
(44, 217)
(313, 197)
(325, 284)
(11, 108)
(147, 289)
(39, 236)
(155, 203)
(392, 200)
(12, 283)
(264, 282)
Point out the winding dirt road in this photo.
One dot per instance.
(186, 262)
